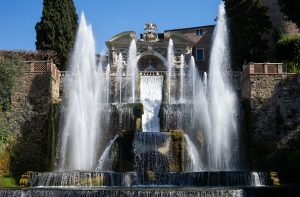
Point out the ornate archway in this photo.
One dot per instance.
(151, 62)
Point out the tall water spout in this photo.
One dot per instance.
(182, 75)
(201, 115)
(223, 103)
(80, 135)
(119, 77)
(170, 66)
(132, 67)
(193, 77)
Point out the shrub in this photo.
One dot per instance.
(10, 71)
(288, 51)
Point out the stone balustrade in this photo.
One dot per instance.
(41, 67)
(264, 68)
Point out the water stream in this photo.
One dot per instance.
(151, 98)
(222, 137)
(132, 68)
(83, 93)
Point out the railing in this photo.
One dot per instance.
(264, 68)
(41, 67)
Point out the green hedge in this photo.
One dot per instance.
(10, 71)
(288, 51)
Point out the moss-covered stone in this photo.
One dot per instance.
(98, 180)
(151, 175)
(275, 178)
(178, 147)
(7, 182)
(52, 135)
(138, 124)
(124, 159)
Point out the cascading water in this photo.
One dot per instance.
(170, 67)
(132, 68)
(84, 86)
(151, 98)
(222, 102)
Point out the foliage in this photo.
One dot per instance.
(248, 22)
(6, 135)
(288, 51)
(291, 9)
(7, 182)
(57, 28)
(10, 71)
(30, 55)
(291, 165)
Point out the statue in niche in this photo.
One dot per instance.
(150, 35)
(113, 56)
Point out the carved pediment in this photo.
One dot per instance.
(123, 38)
(177, 37)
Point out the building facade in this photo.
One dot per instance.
(201, 37)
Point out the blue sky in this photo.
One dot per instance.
(108, 17)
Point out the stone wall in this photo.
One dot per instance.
(274, 101)
(32, 109)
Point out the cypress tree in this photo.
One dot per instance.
(291, 9)
(249, 25)
(57, 28)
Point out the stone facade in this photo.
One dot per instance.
(32, 110)
(274, 114)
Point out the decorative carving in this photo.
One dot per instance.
(132, 35)
(150, 35)
(150, 49)
(188, 50)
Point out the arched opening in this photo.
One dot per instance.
(150, 63)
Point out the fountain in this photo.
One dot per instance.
(132, 68)
(157, 147)
(151, 98)
(170, 67)
(119, 78)
(182, 89)
(222, 136)
(84, 92)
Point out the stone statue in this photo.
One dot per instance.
(150, 35)
(150, 27)
(113, 56)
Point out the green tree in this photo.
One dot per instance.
(249, 22)
(291, 9)
(57, 28)
(288, 51)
